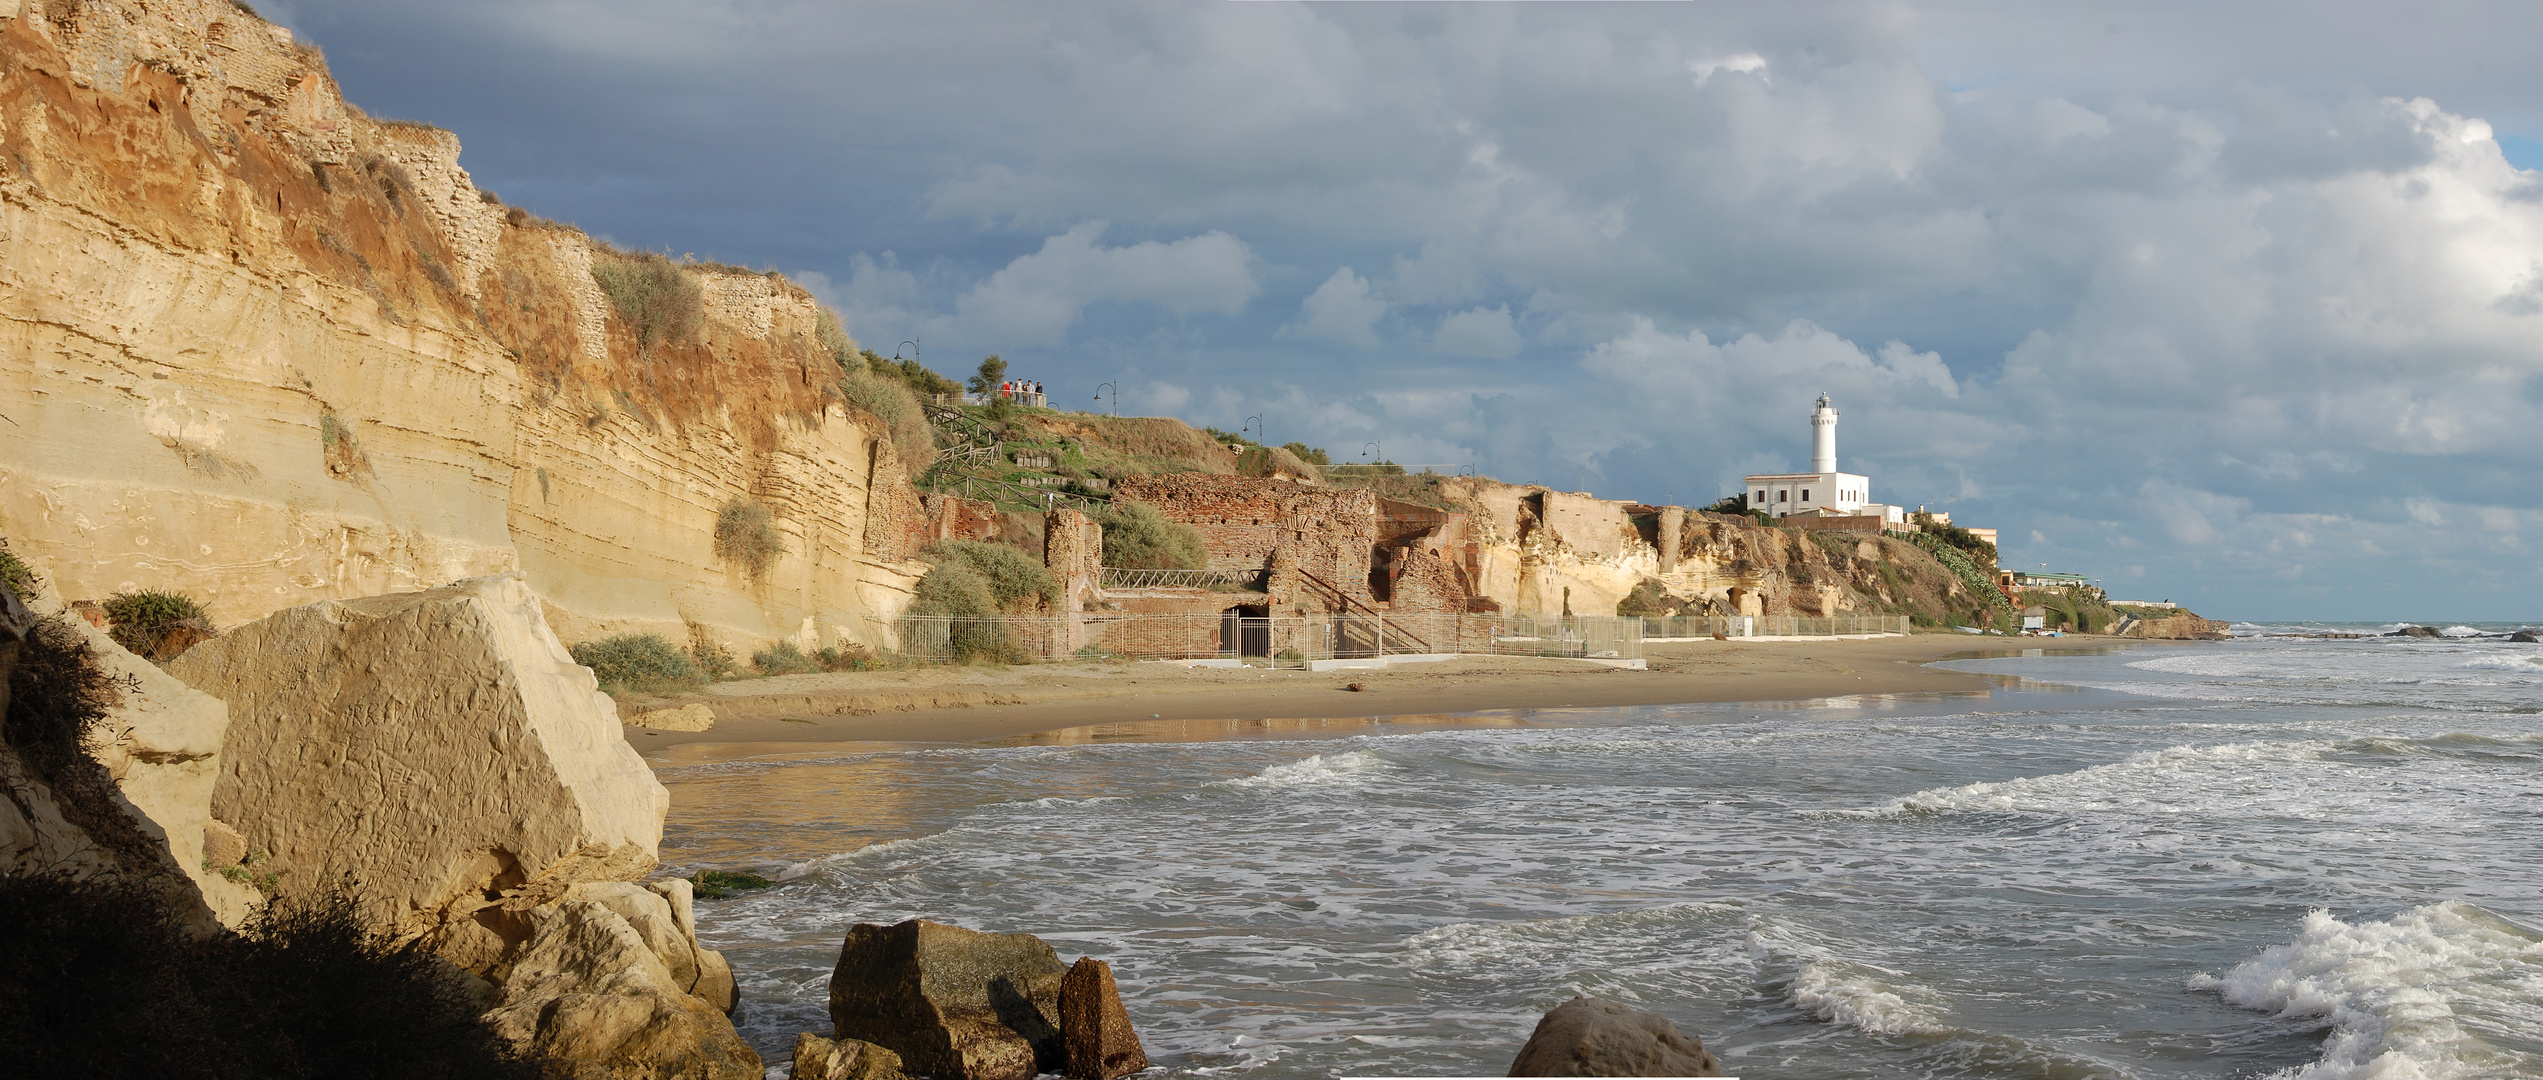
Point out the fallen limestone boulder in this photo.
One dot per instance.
(439, 746)
(117, 783)
(955, 1004)
(1096, 1041)
(684, 718)
(1596, 1037)
(817, 1058)
(588, 995)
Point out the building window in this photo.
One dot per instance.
(1805, 494)
(1783, 495)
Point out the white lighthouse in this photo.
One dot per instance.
(1823, 437)
(1823, 491)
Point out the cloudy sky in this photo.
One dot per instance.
(2239, 305)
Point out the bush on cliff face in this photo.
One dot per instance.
(15, 575)
(638, 661)
(306, 990)
(654, 297)
(746, 534)
(139, 621)
(1137, 536)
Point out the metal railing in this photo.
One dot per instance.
(1116, 577)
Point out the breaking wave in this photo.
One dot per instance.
(2436, 992)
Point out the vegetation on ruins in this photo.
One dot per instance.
(1312, 455)
(139, 620)
(955, 614)
(1016, 580)
(654, 299)
(642, 662)
(305, 989)
(1138, 536)
(746, 535)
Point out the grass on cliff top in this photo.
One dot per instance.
(306, 989)
(653, 296)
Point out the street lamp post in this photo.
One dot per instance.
(1116, 392)
(1255, 422)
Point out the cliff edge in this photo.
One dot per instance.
(263, 349)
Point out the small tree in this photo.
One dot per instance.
(992, 372)
(1139, 537)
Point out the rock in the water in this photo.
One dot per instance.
(817, 1058)
(588, 994)
(1096, 1042)
(439, 746)
(955, 1004)
(684, 718)
(2417, 631)
(1596, 1037)
(2527, 636)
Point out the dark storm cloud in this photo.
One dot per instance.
(2235, 304)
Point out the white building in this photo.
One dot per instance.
(1823, 491)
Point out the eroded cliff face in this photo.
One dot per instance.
(262, 349)
(1537, 551)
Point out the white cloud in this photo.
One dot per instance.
(1035, 299)
(1741, 63)
(1478, 332)
(1344, 309)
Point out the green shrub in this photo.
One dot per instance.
(713, 660)
(639, 661)
(654, 297)
(138, 620)
(719, 884)
(783, 658)
(746, 534)
(892, 401)
(16, 575)
(1138, 537)
(1014, 579)
(305, 989)
(973, 631)
(1312, 455)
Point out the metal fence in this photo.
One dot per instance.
(1116, 577)
(1273, 640)
(1704, 627)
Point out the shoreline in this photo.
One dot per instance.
(824, 714)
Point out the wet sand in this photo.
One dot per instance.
(1058, 703)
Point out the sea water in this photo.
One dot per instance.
(2270, 857)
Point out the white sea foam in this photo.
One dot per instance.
(2433, 993)
(1317, 770)
(2524, 663)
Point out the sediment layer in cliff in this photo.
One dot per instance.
(262, 348)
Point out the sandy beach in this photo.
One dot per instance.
(1074, 702)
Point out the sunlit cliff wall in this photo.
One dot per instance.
(263, 349)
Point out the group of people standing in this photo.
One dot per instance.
(1023, 392)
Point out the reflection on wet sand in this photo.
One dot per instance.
(1215, 730)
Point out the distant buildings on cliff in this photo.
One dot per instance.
(1825, 498)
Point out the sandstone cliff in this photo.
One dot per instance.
(260, 348)
(1534, 550)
